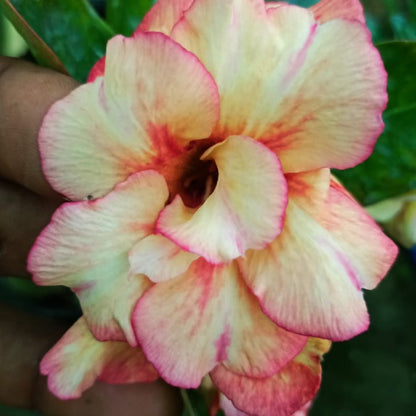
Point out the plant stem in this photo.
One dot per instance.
(187, 403)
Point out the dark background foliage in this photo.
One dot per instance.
(373, 374)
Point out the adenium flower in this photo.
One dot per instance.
(205, 233)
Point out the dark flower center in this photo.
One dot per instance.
(198, 183)
(189, 176)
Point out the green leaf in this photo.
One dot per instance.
(14, 411)
(52, 301)
(71, 28)
(194, 403)
(125, 15)
(374, 373)
(302, 3)
(391, 169)
(42, 52)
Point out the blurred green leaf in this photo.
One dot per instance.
(374, 373)
(71, 28)
(42, 52)
(194, 403)
(53, 301)
(391, 169)
(125, 15)
(401, 16)
(391, 19)
(302, 3)
(11, 411)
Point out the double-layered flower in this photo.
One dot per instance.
(205, 233)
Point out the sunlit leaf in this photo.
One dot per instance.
(391, 169)
(125, 15)
(43, 53)
(71, 28)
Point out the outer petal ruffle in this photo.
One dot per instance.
(154, 97)
(268, 68)
(163, 16)
(97, 70)
(327, 10)
(229, 409)
(313, 128)
(371, 252)
(159, 258)
(215, 319)
(86, 248)
(279, 395)
(250, 59)
(246, 209)
(308, 280)
(112, 362)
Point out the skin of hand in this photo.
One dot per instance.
(26, 205)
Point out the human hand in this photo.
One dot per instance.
(26, 205)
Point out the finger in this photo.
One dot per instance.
(26, 338)
(23, 214)
(26, 93)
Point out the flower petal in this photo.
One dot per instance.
(154, 97)
(370, 251)
(304, 410)
(97, 70)
(246, 209)
(86, 247)
(215, 319)
(308, 280)
(313, 126)
(251, 59)
(229, 409)
(108, 297)
(274, 4)
(279, 395)
(159, 258)
(274, 59)
(112, 362)
(163, 16)
(327, 10)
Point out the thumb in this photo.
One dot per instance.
(26, 93)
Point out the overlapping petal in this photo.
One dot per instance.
(207, 316)
(313, 128)
(97, 70)
(163, 16)
(326, 10)
(159, 258)
(229, 409)
(110, 128)
(248, 87)
(283, 96)
(86, 247)
(246, 209)
(112, 362)
(309, 279)
(370, 251)
(279, 395)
